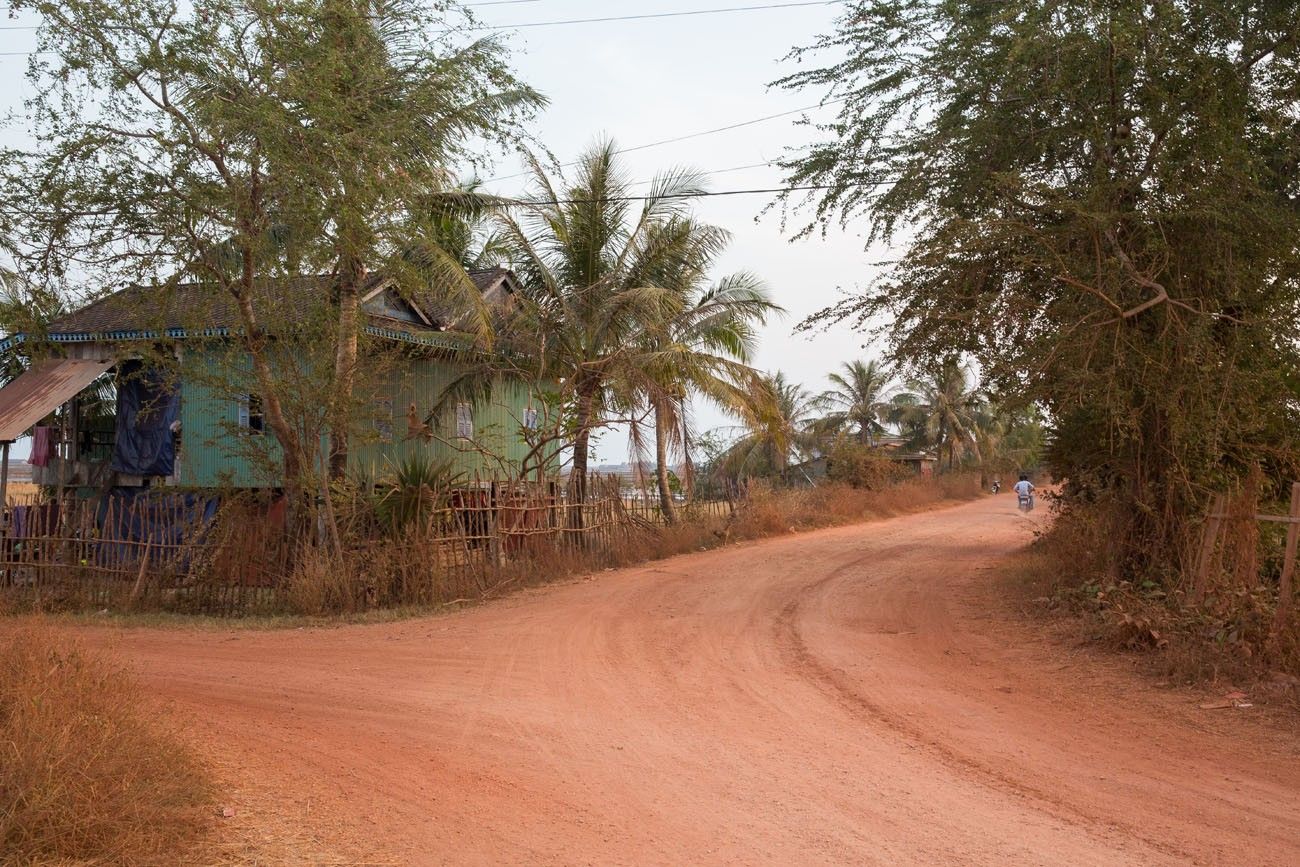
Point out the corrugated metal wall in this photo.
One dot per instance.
(496, 424)
(216, 450)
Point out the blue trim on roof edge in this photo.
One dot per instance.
(180, 333)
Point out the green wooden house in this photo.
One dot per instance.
(213, 420)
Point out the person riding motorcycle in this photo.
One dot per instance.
(997, 485)
(1025, 492)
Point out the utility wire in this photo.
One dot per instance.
(674, 140)
(108, 212)
(695, 194)
(601, 20)
(645, 15)
(711, 172)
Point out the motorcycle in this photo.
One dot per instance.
(1025, 502)
(997, 486)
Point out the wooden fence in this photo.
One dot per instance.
(228, 555)
(1211, 536)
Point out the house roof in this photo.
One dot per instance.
(35, 393)
(487, 279)
(195, 306)
(195, 310)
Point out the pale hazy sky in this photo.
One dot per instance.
(648, 80)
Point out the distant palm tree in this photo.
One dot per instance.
(1009, 439)
(857, 401)
(776, 421)
(941, 410)
(704, 348)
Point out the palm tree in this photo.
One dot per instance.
(601, 272)
(777, 418)
(941, 410)
(703, 348)
(447, 233)
(857, 400)
(1009, 438)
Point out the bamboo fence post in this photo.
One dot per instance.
(1209, 537)
(140, 576)
(1285, 586)
(497, 500)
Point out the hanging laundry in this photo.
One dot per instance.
(42, 446)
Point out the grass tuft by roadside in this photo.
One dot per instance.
(89, 773)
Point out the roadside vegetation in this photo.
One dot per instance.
(90, 773)
(1101, 206)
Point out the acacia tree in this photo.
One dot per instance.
(227, 142)
(378, 109)
(147, 168)
(1102, 205)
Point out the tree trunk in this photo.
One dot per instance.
(661, 456)
(585, 412)
(345, 365)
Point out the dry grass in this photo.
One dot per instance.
(89, 774)
(399, 573)
(22, 492)
(772, 512)
(1224, 641)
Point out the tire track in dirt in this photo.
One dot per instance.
(847, 694)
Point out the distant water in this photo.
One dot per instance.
(20, 470)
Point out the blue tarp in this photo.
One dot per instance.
(172, 524)
(148, 404)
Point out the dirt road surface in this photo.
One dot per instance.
(850, 696)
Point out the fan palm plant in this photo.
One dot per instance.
(857, 400)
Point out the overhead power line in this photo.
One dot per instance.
(688, 136)
(559, 22)
(645, 15)
(699, 195)
(798, 188)
(717, 171)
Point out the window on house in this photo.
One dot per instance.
(251, 417)
(464, 421)
(384, 419)
(532, 419)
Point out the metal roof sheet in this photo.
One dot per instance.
(43, 387)
(189, 308)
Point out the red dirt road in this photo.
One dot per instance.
(850, 696)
